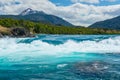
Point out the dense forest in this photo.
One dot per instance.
(38, 27)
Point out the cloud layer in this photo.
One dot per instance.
(92, 1)
(86, 1)
(77, 13)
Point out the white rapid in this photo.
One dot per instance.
(11, 46)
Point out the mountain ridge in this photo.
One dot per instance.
(30, 11)
(38, 16)
(113, 23)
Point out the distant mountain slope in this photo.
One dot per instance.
(38, 16)
(113, 23)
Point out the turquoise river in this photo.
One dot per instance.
(60, 57)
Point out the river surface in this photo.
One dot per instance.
(60, 57)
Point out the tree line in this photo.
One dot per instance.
(46, 28)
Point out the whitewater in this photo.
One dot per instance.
(60, 57)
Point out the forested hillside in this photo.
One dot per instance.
(38, 28)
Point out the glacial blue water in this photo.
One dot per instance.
(60, 57)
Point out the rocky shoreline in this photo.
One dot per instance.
(16, 32)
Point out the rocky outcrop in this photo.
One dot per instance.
(15, 32)
(20, 32)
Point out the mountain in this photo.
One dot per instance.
(30, 11)
(38, 16)
(113, 23)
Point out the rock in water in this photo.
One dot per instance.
(91, 67)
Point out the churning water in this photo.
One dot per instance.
(60, 57)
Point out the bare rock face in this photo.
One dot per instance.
(20, 32)
(15, 32)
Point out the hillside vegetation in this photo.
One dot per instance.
(37, 28)
(4, 30)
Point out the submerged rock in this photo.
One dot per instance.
(91, 67)
(98, 70)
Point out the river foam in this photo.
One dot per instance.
(60, 57)
(12, 46)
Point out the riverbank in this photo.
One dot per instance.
(23, 28)
(14, 32)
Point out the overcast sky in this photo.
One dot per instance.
(78, 12)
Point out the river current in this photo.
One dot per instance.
(60, 57)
